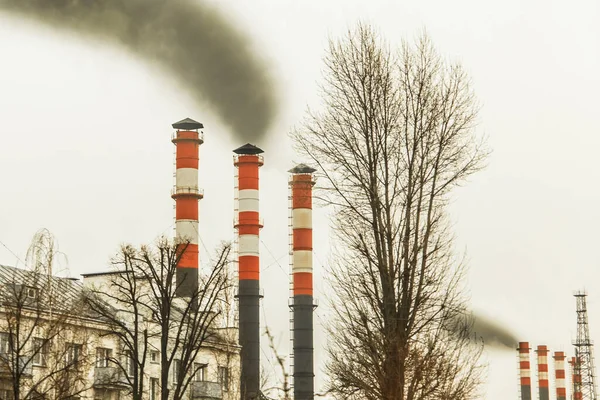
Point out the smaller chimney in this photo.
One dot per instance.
(576, 379)
(542, 365)
(524, 370)
(559, 374)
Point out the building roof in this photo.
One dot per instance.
(92, 274)
(66, 292)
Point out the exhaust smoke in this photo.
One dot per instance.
(190, 40)
(493, 334)
(481, 328)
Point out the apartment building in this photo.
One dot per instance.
(55, 345)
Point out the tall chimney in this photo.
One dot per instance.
(576, 379)
(248, 160)
(301, 183)
(524, 370)
(542, 366)
(559, 373)
(187, 139)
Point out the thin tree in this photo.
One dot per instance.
(282, 388)
(143, 288)
(395, 136)
(41, 327)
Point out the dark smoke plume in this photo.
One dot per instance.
(481, 328)
(189, 40)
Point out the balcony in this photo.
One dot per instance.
(204, 390)
(194, 136)
(182, 191)
(109, 378)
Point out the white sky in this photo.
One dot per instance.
(85, 151)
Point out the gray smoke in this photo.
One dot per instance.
(493, 334)
(481, 328)
(191, 41)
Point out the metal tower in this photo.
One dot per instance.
(584, 356)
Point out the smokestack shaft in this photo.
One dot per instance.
(576, 376)
(559, 373)
(248, 226)
(542, 365)
(186, 194)
(524, 370)
(301, 184)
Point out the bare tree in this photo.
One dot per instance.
(282, 391)
(396, 135)
(41, 331)
(146, 315)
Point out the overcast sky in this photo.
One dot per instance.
(85, 151)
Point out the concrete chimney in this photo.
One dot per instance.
(559, 374)
(542, 366)
(248, 160)
(187, 138)
(302, 304)
(576, 379)
(524, 370)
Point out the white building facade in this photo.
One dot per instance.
(54, 347)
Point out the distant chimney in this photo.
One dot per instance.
(247, 159)
(524, 370)
(187, 138)
(576, 379)
(559, 373)
(542, 366)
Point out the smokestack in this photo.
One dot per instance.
(301, 183)
(576, 379)
(559, 373)
(187, 139)
(542, 366)
(247, 159)
(524, 370)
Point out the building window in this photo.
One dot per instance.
(31, 292)
(103, 356)
(154, 394)
(73, 353)
(129, 363)
(176, 370)
(6, 394)
(200, 372)
(105, 394)
(5, 343)
(224, 378)
(40, 351)
(154, 356)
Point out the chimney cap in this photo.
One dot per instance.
(302, 169)
(187, 124)
(248, 149)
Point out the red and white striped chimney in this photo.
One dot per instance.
(187, 138)
(559, 374)
(301, 183)
(576, 379)
(524, 370)
(542, 366)
(248, 161)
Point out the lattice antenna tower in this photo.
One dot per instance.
(584, 356)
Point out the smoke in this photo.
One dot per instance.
(484, 329)
(190, 40)
(492, 333)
